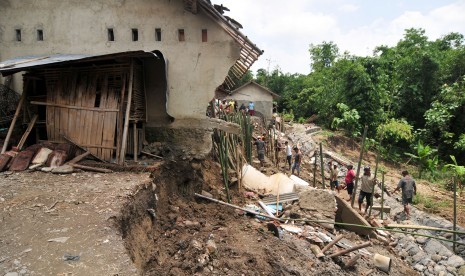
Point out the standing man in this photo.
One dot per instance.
(251, 108)
(349, 180)
(334, 173)
(297, 161)
(278, 148)
(365, 189)
(409, 189)
(260, 150)
(288, 153)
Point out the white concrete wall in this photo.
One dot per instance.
(262, 99)
(195, 68)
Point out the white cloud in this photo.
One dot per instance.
(285, 30)
(349, 8)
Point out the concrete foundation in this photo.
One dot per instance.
(346, 214)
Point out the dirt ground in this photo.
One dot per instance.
(104, 224)
(45, 217)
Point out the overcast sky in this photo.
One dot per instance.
(285, 29)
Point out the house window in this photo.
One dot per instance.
(40, 35)
(181, 36)
(135, 35)
(157, 34)
(18, 34)
(204, 35)
(111, 34)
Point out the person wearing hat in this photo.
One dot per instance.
(366, 189)
(409, 189)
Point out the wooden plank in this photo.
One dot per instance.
(79, 158)
(81, 147)
(135, 140)
(28, 130)
(75, 107)
(119, 133)
(87, 168)
(126, 121)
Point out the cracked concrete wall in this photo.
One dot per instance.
(195, 68)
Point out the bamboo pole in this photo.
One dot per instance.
(238, 167)
(135, 140)
(374, 183)
(314, 169)
(333, 242)
(322, 167)
(382, 194)
(359, 165)
(28, 130)
(126, 119)
(15, 117)
(455, 214)
(356, 247)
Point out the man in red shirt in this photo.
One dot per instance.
(349, 180)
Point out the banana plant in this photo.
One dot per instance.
(458, 172)
(425, 158)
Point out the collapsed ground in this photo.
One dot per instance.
(54, 224)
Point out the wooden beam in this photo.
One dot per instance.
(88, 168)
(79, 157)
(15, 117)
(135, 140)
(82, 148)
(3, 65)
(76, 107)
(126, 119)
(28, 130)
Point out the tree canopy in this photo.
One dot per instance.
(413, 91)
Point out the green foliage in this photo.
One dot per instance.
(458, 172)
(395, 130)
(424, 156)
(349, 120)
(301, 120)
(414, 90)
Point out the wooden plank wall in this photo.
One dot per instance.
(84, 105)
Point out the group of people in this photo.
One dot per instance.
(406, 184)
(367, 182)
(230, 106)
(293, 167)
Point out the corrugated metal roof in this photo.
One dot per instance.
(28, 62)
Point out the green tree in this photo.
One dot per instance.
(425, 158)
(349, 120)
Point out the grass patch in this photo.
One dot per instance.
(430, 205)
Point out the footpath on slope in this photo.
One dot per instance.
(426, 255)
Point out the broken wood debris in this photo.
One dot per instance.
(333, 242)
(357, 247)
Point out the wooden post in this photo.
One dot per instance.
(382, 194)
(126, 119)
(135, 140)
(314, 169)
(15, 117)
(455, 214)
(359, 165)
(119, 126)
(238, 167)
(322, 167)
(374, 183)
